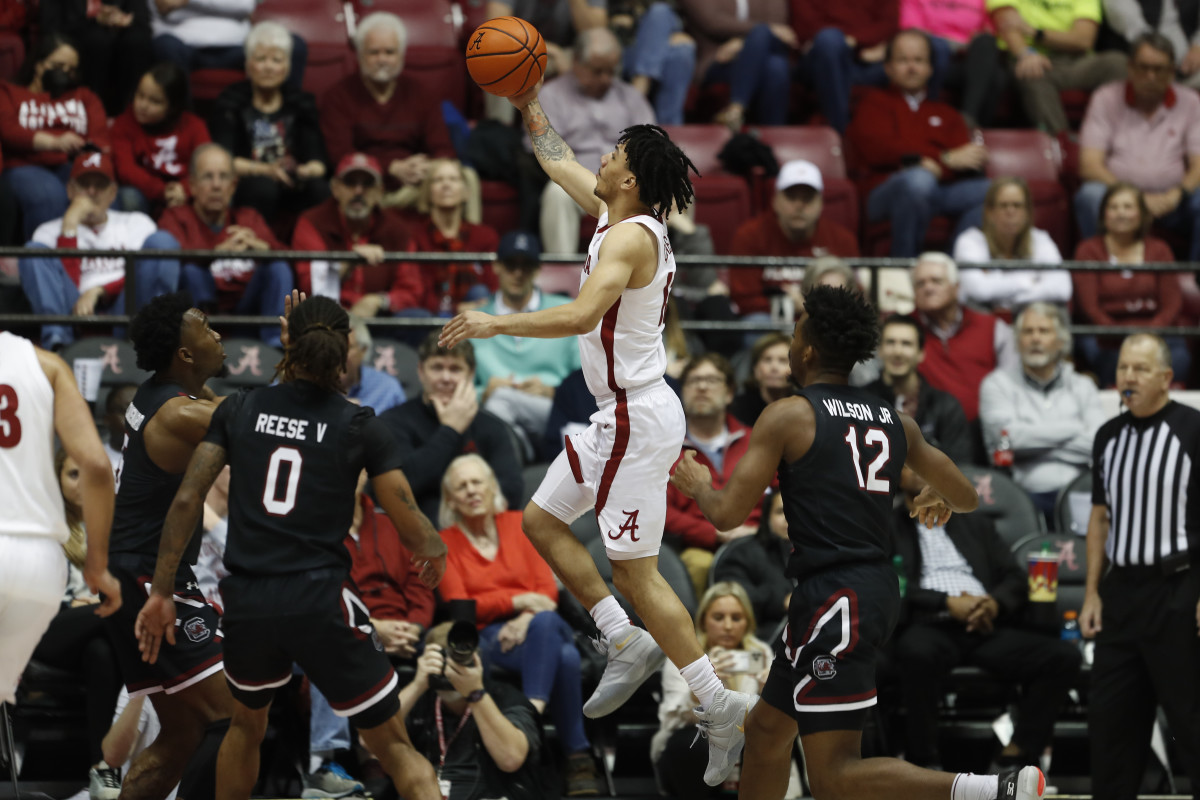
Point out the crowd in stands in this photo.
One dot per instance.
(107, 143)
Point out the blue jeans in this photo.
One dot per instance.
(51, 291)
(1185, 217)
(40, 191)
(171, 48)
(914, 196)
(762, 72)
(548, 662)
(326, 730)
(832, 68)
(669, 66)
(1087, 208)
(263, 295)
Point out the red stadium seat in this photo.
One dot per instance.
(722, 198)
(208, 83)
(1036, 157)
(501, 206)
(12, 55)
(322, 25)
(433, 57)
(822, 146)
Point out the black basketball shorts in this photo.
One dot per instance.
(334, 643)
(824, 669)
(196, 653)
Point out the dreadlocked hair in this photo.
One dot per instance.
(318, 339)
(157, 329)
(660, 167)
(841, 325)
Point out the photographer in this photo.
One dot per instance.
(482, 738)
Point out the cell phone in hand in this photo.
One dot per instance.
(750, 661)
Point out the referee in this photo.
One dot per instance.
(1143, 577)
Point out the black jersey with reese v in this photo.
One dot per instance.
(295, 452)
(838, 496)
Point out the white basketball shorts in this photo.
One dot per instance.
(33, 577)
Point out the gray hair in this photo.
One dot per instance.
(934, 257)
(1054, 312)
(823, 266)
(362, 334)
(1160, 344)
(378, 19)
(447, 516)
(592, 41)
(269, 34)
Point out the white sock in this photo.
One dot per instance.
(316, 758)
(610, 618)
(968, 786)
(703, 681)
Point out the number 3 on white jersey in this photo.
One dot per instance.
(875, 436)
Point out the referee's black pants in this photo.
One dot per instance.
(1045, 666)
(1147, 655)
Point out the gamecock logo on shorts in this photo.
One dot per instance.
(196, 630)
(824, 667)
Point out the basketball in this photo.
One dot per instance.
(506, 56)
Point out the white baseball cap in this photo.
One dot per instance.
(799, 173)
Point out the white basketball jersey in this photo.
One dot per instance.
(31, 501)
(626, 348)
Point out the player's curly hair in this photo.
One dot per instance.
(660, 167)
(841, 325)
(318, 339)
(157, 329)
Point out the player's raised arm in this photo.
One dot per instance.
(948, 489)
(556, 156)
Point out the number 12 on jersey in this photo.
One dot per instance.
(876, 437)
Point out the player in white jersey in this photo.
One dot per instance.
(39, 398)
(621, 464)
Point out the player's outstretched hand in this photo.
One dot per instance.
(526, 97)
(154, 621)
(691, 476)
(467, 325)
(930, 508)
(290, 301)
(432, 570)
(109, 590)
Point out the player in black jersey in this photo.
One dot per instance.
(839, 452)
(296, 451)
(168, 417)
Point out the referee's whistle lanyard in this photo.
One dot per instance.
(443, 745)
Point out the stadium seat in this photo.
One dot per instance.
(323, 26)
(722, 198)
(208, 83)
(12, 55)
(822, 146)
(1005, 504)
(434, 57)
(669, 566)
(120, 360)
(501, 206)
(251, 362)
(1073, 507)
(1037, 157)
(398, 360)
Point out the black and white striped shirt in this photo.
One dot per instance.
(1142, 472)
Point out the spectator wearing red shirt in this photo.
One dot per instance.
(384, 113)
(844, 46)
(232, 285)
(794, 226)
(719, 442)
(442, 289)
(919, 156)
(1129, 297)
(961, 345)
(352, 220)
(153, 142)
(45, 119)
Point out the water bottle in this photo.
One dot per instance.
(1070, 629)
(898, 565)
(1002, 456)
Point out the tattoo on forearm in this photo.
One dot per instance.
(547, 144)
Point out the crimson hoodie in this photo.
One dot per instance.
(24, 113)
(149, 161)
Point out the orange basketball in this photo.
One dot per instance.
(506, 56)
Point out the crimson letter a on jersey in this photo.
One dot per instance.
(629, 526)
